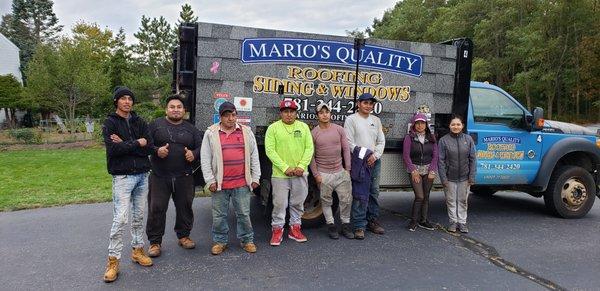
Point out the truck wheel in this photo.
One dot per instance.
(482, 191)
(313, 212)
(570, 192)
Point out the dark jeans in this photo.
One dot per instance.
(364, 212)
(181, 189)
(420, 205)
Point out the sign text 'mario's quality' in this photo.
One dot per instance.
(286, 50)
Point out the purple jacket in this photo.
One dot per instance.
(414, 153)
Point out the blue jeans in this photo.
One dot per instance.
(240, 197)
(128, 191)
(363, 212)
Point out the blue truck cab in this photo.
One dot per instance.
(518, 150)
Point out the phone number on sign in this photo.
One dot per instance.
(337, 106)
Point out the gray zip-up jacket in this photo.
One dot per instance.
(457, 160)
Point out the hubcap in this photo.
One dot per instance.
(573, 194)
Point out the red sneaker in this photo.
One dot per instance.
(277, 236)
(296, 234)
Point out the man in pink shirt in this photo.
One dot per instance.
(331, 145)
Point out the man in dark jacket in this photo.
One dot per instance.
(126, 140)
(176, 144)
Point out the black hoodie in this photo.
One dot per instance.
(126, 157)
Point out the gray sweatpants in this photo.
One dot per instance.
(297, 190)
(457, 194)
(340, 183)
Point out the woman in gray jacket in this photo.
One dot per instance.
(457, 166)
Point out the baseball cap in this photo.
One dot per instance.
(366, 96)
(419, 117)
(323, 105)
(287, 103)
(226, 106)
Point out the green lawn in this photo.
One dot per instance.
(42, 178)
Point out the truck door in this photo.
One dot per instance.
(507, 152)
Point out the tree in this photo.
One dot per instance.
(66, 78)
(32, 22)
(186, 15)
(10, 93)
(156, 40)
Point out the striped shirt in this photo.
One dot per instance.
(232, 146)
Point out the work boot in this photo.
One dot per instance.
(218, 248)
(359, 234)
(375, 227)
(277, 236)
(463, 227)
(332, 231)
(296, 233)
(452, 227)
(249, 247)
(412, 225)
(426, 225)
(138, 256)
(187, 243)
(347, 231)
(112, 270)
(154, 250)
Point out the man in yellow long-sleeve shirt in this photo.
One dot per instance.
(289, 146)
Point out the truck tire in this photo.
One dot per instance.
(570, 192)
(313, 212)
(482, 191)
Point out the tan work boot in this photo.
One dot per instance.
(140, 257)
(187, 243)
(218, 248)
(249, 247)
(154, 250)
(112, 270)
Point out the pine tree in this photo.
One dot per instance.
(186, 15)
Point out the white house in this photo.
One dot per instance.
(9, 63)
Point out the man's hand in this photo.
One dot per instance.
(143, 142)
(254, 185)
(371, 160)
(189, 155)
(289, 172)
(318, 180)
(471, 182)
(115, 138)
(212, 187)
(415, 177)
(445, 184)
(298, 172)
(163, 151)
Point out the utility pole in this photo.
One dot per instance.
(358, 44)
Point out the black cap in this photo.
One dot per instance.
(121, 91)
(366, 96)
(226, 106)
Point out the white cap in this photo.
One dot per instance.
(320, 106)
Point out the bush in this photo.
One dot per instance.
(26, 135)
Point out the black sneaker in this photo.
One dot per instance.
(347, 231)
(426, 225)
(332, 231)
(412, 225)
(463, 228)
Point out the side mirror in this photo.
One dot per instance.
(538, 119)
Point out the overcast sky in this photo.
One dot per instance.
(324, 16)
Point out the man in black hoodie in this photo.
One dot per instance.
(126, 139)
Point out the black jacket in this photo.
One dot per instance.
(127, 157)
